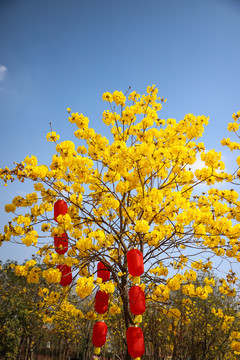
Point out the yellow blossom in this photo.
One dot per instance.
(52, 136)
(142, 226)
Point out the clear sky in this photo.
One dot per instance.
(56, 54)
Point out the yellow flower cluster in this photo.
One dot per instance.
(65, 222)
(85, 286)
(134, 96)
(199, 265)
(161, 293)
(227, 323)
(226, 290)
(21, 270)
(236, 116)
(79, 119)
(31, 160)
(66, 148)
(190, 275)
(203, 292)
(107, 287)
(91, 315)
(33, 275)
(142, 226)
(175, 282)
(10, 208)
(52, 136)
(159, 270)
(70, 310)
(117, 97)
(172, 313)
(189, 289)
(235, 346)
(30, 238)
(52, 275)
(114, 309)
(233, 127)
(209, 281)
(36, 172)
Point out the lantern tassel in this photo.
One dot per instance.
(97, 350)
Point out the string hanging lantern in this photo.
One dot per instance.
(101, 306)
(135, 262)
(61, 244)
(66, 271)
(136, 300)
(135, 342)
(99, 334)
(60, 208)
(103, 272)
(135, 339)
(101, 302)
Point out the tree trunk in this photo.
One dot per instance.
(155, 352)
(124, 297)
(127, 357)
(127, 316)
(27, 349)
(66, 352)
(21, 347)
(61, 350)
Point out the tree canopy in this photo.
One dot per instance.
(138, 189)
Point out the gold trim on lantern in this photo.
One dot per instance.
(136, 280)
(100, 317)
(97, 350)
(138, 319)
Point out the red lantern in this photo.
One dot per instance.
(60, 208)
(99, 334)
(135, 262)
(66, 271)
(103, 272)
(61, 244)
(101, 302)
(136, 300)
(135, 342)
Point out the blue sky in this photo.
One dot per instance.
(56, 54)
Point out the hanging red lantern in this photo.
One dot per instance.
(60, 208)
(135, 342)
(61, 244)
(103, 272)
(66, 271)
(99, 334)
(135, 262)
(101, 302)
(137, 300)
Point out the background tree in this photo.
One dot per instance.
(20, 313)
(137, 189)
(190, 327)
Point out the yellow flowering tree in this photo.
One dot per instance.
(138, 188)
